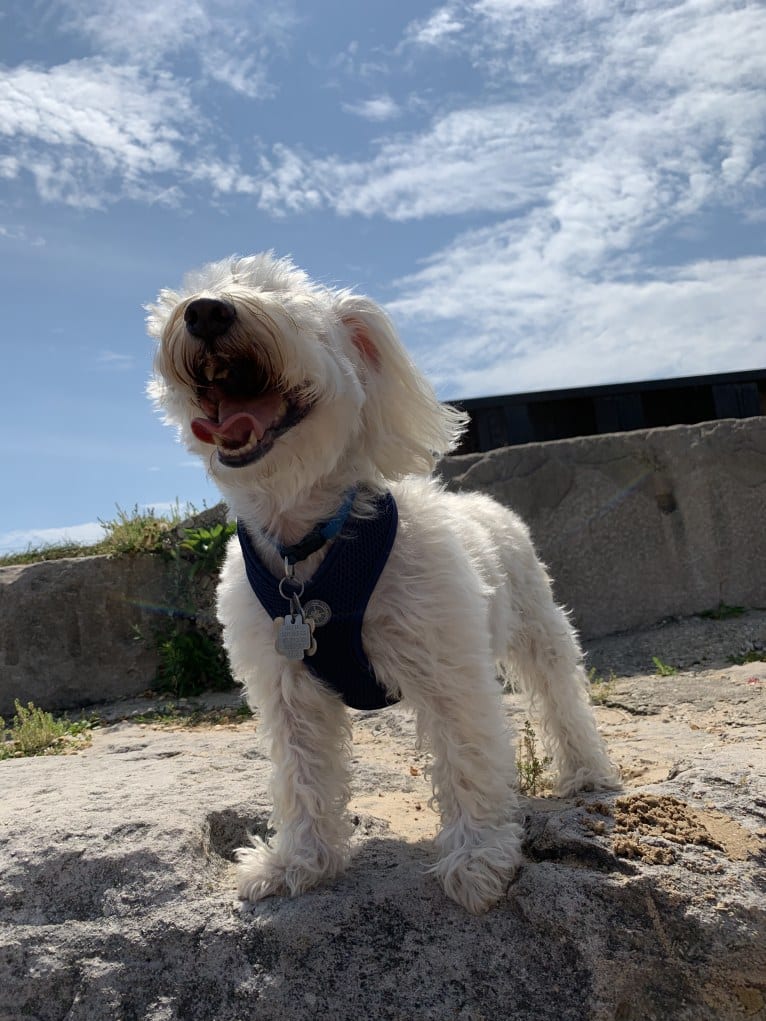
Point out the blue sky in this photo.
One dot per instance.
(543, 193)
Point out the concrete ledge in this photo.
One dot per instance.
(639, 526)
(68, 629)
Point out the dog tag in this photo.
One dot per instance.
(294, 636)
(317, 611)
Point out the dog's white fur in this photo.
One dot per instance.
(462, 595)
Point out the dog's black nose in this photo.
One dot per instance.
(208, 318)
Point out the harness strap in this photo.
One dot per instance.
(344, 581)
(319, 534)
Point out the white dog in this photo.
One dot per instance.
(308, 412)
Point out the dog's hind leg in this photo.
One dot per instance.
(546, 660)
(310, 736)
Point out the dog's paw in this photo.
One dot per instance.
(263, 872)
(602, 776)
(477, 876)
(259, 873)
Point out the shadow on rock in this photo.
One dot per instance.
(81, 885)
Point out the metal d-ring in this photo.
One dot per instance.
(297, 591)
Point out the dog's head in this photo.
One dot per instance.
(265, 373)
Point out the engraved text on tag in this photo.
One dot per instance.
(295, 637)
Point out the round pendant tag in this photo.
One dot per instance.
(318, 611)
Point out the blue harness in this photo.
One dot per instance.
(344, 582)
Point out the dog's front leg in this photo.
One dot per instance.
(473, 774)
(310, 737)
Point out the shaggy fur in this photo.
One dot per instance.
(303, 393)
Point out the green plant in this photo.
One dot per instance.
(663, 669)
(530, 768)
(190, 661)
(140, 531)
(722, 612)
(35, 731)
(601, 688)
(204, 547)
(187, 716)
(191, 656)
(751, 656)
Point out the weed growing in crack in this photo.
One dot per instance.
(722, 612)
(663, 669)
(601, 687)
(750, 656)
(36, 732)
(530, 768)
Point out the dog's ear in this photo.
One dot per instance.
(406, 428)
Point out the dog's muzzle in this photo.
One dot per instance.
(245, 409)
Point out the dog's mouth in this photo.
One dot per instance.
(245, 410)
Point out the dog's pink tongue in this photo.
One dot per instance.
(238, 419)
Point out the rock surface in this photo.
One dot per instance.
(117, 897)
(87, 629)
(68, 629)
(642, 525)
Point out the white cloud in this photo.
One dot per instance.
(20, 233)
(379, 108)
(615, 137)
(136, 29)
(233, 40)
(436, 30)
(625, 119)
(9, 166)
(226, 178)
(510, 319)
(465, 162)
(713, 44)
(20, 540)
(626, 127)
(286, 184)
(89, 132)
(115, 360)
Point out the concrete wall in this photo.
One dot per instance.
(634, 527)
(639, 526)
(68, 629)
